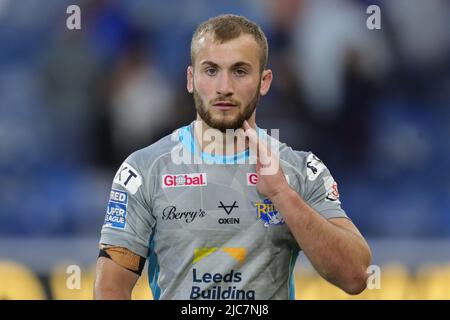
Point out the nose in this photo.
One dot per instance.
(224, 85)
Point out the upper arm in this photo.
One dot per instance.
(320, 188)
(113, 281)
(125, 233)
(129, 220)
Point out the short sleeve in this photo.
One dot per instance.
(129, 221)
(321, 190)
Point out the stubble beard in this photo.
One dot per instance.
(223, 124)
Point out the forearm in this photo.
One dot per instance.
(110, 292)
(339, 255)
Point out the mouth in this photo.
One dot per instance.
(224, 105)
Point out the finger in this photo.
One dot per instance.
(252, 136)
(246, 125)
(263, 151)
(266, 164)
(250, 133)
(258, 145)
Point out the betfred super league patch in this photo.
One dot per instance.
(116, 211)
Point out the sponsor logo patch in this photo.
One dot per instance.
(239, 254)
(314, 167)
(171, 213)
(219, 285)
(252, 178)
(331, 189)
(128, 178)
(184, 180)
(228, 209)
(116, 211)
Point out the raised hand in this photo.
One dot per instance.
(271, 180)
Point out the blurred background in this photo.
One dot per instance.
(374, 105)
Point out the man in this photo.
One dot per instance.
(212, 223)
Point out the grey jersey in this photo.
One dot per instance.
(206, 231)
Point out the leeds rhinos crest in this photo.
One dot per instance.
(266, 212)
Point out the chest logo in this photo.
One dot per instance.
(228, 209)
(184, 180)
(266, 212)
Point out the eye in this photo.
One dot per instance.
(240, 72)
(211, 71)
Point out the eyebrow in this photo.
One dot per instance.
(235, 65)
(241, 64)
(210, 63)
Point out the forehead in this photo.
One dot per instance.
(241, 49)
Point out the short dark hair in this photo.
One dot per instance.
(229, 26)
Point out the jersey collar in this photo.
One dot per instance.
(186, 137)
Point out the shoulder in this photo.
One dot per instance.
(137, 168)
(306, 163)
(145, 158)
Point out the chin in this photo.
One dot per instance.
(224, 124)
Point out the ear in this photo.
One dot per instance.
(266, 81)
(190, 79)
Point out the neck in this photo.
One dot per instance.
(214, 141)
